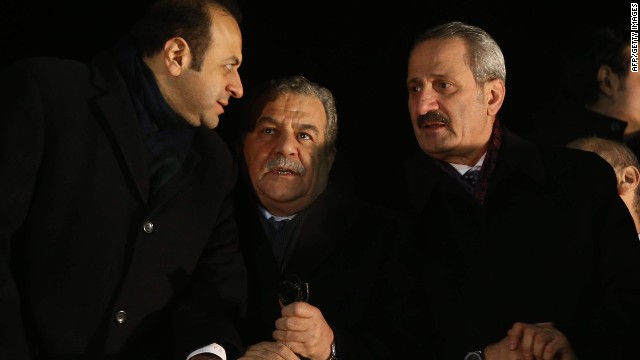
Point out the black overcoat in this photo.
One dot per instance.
(553, 241)
(81, 242)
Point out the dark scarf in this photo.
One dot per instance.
(169, 136)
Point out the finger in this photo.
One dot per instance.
(527, 343)
(268, 351)
(514, 335)
(549, 343)
(289, 336)
(299, 309)
(527, 340)
(541, 341)
(285, 351)
(553, 350)
(290, 323)
(545, 324)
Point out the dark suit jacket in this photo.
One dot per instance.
(345, 249)
(552, 242)
(73, 208)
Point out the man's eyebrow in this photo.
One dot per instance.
(233, 59)
(265, 119)
(309, 127)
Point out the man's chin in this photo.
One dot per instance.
(211, 123)
(286, 203)
(285, 197)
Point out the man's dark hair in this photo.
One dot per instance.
(189, 19)
(606, 46)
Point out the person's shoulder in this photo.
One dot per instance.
(576, 157)
(558, 123)
(570, 163)
(41, 68)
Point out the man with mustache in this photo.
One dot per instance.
(538, 258)
(337, 251)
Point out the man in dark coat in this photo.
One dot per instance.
(536, 254)
(116, 220)
(338, 251)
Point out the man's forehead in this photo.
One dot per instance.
(295, 106)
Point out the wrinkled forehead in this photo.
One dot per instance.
(295, 107)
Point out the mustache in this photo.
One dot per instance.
(433, 117)
(285, 163)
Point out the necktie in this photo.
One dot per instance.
(472, 176)
(277, 224)
(279, 242)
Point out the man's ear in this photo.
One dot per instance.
(629, 180)
(177, 55)
(607, 80)
(495, 92)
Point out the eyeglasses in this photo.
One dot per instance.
(292, 289)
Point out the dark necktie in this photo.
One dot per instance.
(472, 176)
(277, 224)
(279, 241)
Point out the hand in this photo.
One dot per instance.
(304, 330)
(541, 341)
(268, 350)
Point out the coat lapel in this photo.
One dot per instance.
(122, 123)
(322, 230)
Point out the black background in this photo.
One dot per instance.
(357, 49)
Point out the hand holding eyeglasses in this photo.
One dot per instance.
(292, 289)
(302, 327)
(304, 330)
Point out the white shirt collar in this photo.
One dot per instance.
(464, 168)
(268, 215)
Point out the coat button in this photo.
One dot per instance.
(121, 317)
(148, 227)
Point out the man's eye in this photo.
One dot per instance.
(415, 89)
(268, 131)
(229, 67)
(305, 136)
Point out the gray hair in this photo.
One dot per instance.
(293, 85)
(484, 57)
